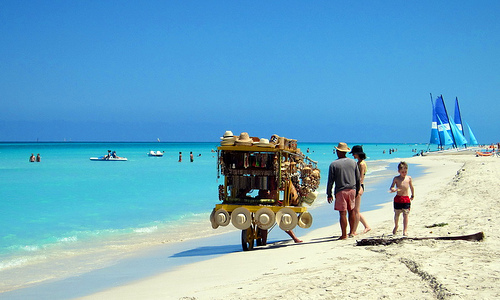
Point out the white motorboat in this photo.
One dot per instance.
(155, 153)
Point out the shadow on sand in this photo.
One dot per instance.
(226, 249)
(208, 250)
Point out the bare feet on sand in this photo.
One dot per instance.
(394, 230)
(367, 229)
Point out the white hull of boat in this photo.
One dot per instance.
(108, 159)
(452, 151)
(156, 154)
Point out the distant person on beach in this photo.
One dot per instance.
(191, 157)
(344, 173)
(357, 152)
(402, 185)
(38, 158)
(180, 156)
(32, 158)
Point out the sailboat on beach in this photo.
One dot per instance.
(446, 131)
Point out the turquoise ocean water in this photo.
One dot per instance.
(67, 209)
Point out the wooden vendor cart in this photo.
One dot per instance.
(265, 183)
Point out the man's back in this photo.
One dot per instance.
(344, 173)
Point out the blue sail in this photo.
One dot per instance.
(444, 123)
(458, 117)
(434, 127)
(457, 134)
(472, 138)
(444, 135)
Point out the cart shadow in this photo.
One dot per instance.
(226, 249)
(289, 243)
(208, 250)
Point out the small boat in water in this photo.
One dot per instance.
(111, 156)
(103, 158)
(155, 153)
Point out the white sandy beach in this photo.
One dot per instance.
(460, 190)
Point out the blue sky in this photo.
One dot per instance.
(317, 71)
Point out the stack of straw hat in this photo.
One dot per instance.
(263, 143)
(228, 139)
(244, 139)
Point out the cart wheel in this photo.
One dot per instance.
(262, 238)
(247, 238)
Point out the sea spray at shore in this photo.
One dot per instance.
(67, 208)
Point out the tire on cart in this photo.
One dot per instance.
(247, 239)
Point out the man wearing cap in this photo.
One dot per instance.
(344, 173)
